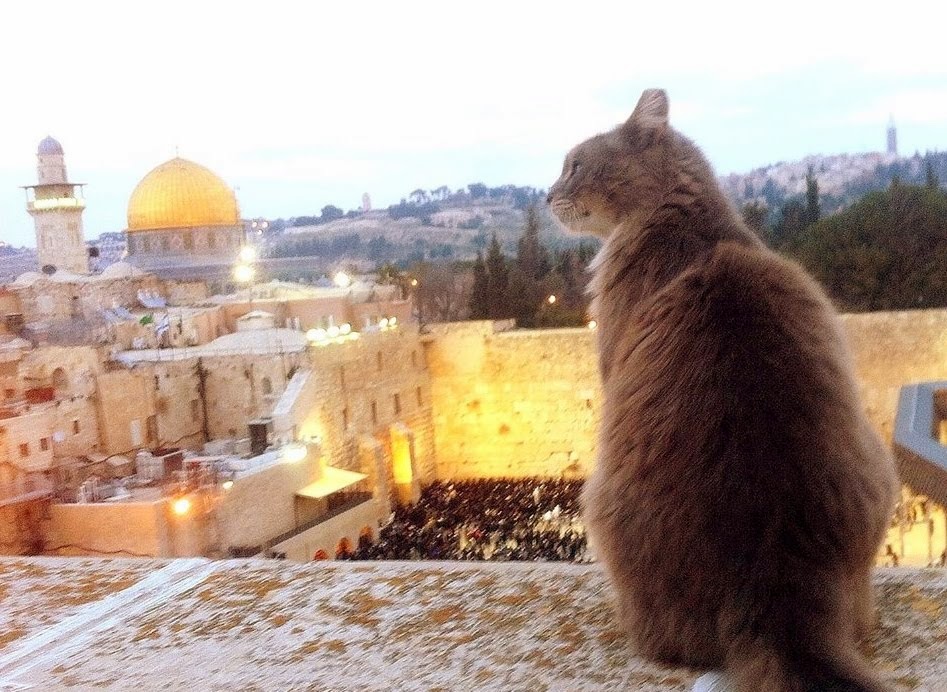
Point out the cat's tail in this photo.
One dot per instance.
(837, 668)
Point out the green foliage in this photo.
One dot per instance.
(756, 215)
(888, 251)
(813, 209)
(479, 298)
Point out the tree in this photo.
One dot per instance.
(498, 275)
(885, 252)
(479, 291)
(813, 209)
(792, 222)
(756, 215)
(531, 257)
(930, 177)
(477, 190)
(330, 212)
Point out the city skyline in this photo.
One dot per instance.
(300, 114)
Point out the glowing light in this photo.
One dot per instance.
(294, 452)
(392, 321)
(414, 282)
(384, 323)
(592, 324)
(228, 485)
(551, 300)
(181, 506)
(342, 280)
(243, 273)
(332, 331)
(345, 329)
(316, 335)
(247, 254)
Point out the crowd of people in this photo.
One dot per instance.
(497, 519)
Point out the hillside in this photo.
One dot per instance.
(444, 225)
(452, 227)
(842, 178)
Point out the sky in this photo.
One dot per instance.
(302, 104)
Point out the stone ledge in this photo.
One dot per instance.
(208, 625)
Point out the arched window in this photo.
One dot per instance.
(267, 386)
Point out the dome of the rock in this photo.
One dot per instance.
(181, 194)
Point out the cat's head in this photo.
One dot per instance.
(616, 175)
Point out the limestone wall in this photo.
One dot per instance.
(895, 348)
(139, 528)
(512, 403)
(262, 504)
(524, 402)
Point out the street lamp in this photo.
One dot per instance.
(342, 280)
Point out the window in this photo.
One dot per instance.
(44, 444)
(157, 382)
(24, 449)
(345, 419)
(267, 386)
(342, 376)
(397, 401)
(414, 359)
(374, 413)
(9, 393)
(418, 394)
(75, 426)
(379, 360)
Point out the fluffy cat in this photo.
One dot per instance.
(740, 494)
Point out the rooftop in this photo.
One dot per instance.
(254, 624)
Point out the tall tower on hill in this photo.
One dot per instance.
(892, 138)
(56, 207)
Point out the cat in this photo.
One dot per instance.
(740, 493)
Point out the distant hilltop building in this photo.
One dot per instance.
(892, 138)
(366, 202)
(56, 207)
(182, 212)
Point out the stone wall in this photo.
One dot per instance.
(512, 403)
(891, 349)
(525, 402)
(262, 504)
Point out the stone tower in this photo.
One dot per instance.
(56, 207)
(892, 138)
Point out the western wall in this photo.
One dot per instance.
(525, 402)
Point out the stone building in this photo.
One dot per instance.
(56, 206)
(182, 212)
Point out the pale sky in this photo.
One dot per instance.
(303, 104)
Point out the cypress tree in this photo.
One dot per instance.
(479, 301)
(813, 209)
(498, 280)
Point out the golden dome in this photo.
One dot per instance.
(181, 194)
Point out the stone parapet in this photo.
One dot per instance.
(198, 624)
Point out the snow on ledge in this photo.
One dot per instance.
(242, 624)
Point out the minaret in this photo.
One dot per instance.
(56, 207)
(892, 138)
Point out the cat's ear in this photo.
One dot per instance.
(651, 111)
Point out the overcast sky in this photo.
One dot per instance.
(299, 105)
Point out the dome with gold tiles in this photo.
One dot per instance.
(181, 194)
